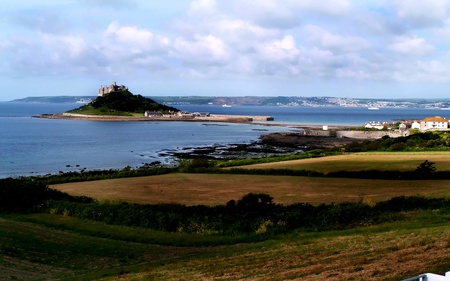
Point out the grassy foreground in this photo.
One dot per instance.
(59, 247)
(50, 247)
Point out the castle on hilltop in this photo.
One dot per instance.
(108, 89)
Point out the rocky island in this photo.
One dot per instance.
(117, 103)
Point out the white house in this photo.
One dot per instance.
(375, 125)
(415, 125)
(434, 123)
(149, 113)
(185, 114)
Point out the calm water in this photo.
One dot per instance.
(38, 146)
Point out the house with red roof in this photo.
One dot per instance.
(434, 123)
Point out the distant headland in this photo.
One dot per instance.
(254, 100)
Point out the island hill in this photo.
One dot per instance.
(117, 103)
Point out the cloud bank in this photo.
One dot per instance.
(292, 42)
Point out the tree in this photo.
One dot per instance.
(254, 204)
(425, 168)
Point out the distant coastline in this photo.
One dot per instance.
(441, 103)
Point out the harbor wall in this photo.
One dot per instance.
(354, 134)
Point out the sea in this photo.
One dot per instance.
(34, 146)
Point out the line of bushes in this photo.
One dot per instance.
(127, 172)
(428, 141)
(365, 174)
(254, 213)
(25, 195)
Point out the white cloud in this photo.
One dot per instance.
(267, 13)
(289, 13)
(412, 46)
(201, 50)
(243, 36)
(202, 7)
(72, 45)
(124, 47)
(238, 39)
(280, 51)
(136, 40)
(340, 43)
(331, 7)
(423, 13)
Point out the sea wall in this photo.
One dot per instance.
(353, 134)
(211, 118)
(368, 134)
(248, 117)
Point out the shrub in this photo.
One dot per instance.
(18, 195)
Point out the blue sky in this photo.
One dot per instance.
(341, 48)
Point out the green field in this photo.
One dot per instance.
(214, 189)
(383, 161)
(60, 247)
(49, 247)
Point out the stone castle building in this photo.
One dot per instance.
(108, 89)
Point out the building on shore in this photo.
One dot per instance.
(112, 88)
(434, 123)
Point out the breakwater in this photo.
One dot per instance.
(209, 118)
(353, 134)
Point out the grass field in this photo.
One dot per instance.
(30, 250)
(51, 247)
(207, 189)
(401, 161)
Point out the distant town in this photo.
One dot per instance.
(274, 101)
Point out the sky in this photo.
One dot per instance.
(334, 48)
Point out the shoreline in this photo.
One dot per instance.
(112, 118)
(257, 120)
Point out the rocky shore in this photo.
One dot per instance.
(300, 140)
(267, 145)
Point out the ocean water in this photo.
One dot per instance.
(34, 146)
(31, 146)
(353, 116)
